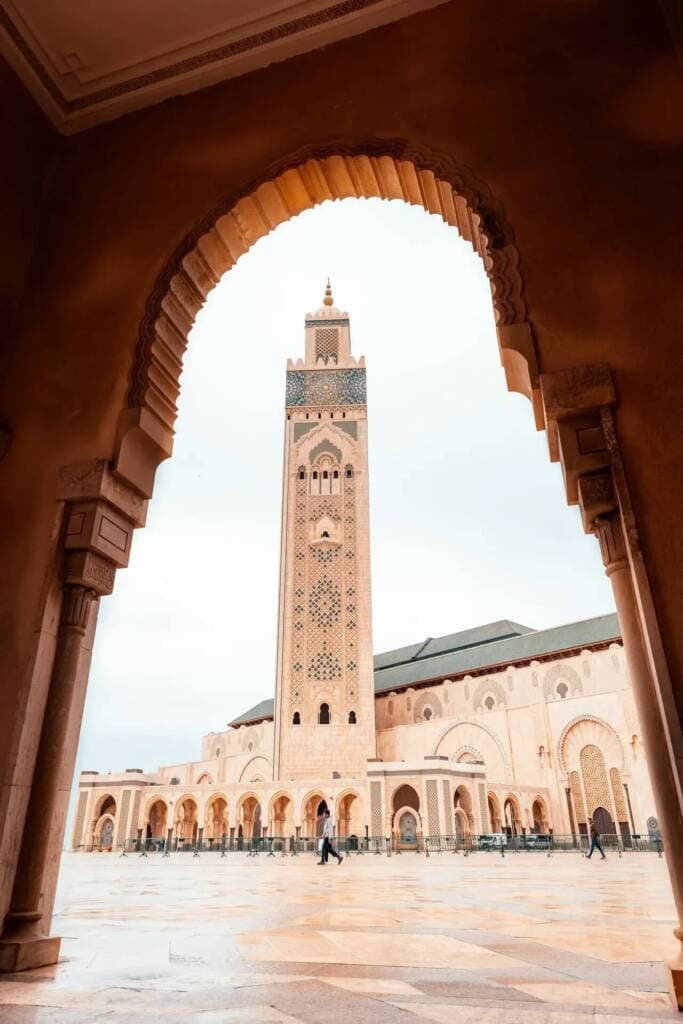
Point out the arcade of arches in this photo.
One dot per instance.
(106, 263)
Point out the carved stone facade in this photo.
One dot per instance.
(325, 706)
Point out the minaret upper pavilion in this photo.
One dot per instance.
(324, 703)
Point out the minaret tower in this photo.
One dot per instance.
(324, 701)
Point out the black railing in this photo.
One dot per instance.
(292, 846)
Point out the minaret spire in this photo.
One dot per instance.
(328, 300)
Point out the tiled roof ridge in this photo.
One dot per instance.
(491, 666)
(419, 651)
(503, 639)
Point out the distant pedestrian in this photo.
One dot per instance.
(595, 840)
(327, 841)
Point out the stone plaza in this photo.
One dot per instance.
(447, 938)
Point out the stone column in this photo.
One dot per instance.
(578, 408)
(25, 942)
(609, 532)
(100, 514)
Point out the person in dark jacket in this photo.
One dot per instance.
(595, 840)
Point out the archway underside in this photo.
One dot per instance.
(302, 183)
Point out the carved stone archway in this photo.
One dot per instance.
(383, 169)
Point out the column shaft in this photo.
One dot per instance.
(25, 942)
(659, 764)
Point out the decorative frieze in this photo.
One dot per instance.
(323, 388)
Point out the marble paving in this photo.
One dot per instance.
(525, 939)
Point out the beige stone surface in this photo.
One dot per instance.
(376, 940)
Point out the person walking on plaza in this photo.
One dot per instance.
(595, 840)
(327, 842)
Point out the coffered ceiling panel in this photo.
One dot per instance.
(87, 61)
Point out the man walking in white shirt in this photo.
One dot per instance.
(327, 841)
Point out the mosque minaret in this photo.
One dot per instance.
(324, 703)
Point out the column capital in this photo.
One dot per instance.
(76, 607)
(86, 569)
(573, 401)
(596, 496)
(611, 539)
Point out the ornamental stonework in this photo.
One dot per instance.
(318, 388)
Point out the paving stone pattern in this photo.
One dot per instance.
(526, 939)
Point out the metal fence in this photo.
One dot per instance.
(292, 846)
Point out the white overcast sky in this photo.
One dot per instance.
(469, 522)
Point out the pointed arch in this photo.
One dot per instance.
(384, 169)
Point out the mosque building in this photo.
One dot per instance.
(500, 728)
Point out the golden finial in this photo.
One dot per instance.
(328, 300)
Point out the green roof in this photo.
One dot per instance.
(263, 710)
(471, 650)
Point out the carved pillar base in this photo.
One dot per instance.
(675, 971)
(27, 954)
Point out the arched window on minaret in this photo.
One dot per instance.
(302, 473)
(296, 718)
(348, 473)
(324, 714)
(352, 717)
(315, 482)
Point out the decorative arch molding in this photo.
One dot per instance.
(101, 821)
(468, 722)
(101, 801)
(249, 795)
(463, 753)
(516, 805)
(187, 796)
(378, 168)
(482, 690)
(211, 800)
(151, 802)
(204, 778)
(259, 763)
(406, 809)
(561, 673)
(424, 701)
(617, 749)
(309, 796)
(278, 796)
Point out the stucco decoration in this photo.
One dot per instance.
(481, 738)
(427, 706)
(468, 755)
(322, 447)
(488, 688)
(250, 739)
(257, 767)
(585, 730)
(386, 169)
(555, 677)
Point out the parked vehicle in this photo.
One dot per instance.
(492, 841)
(535, 841)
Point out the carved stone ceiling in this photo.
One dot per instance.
(87, 61)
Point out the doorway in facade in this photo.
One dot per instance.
(407, 831)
